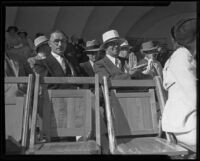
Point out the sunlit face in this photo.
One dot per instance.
(92, 56)
(58, 43)
(113, 48)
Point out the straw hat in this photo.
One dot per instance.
(110, 36)
(40, 40)
(126, 44)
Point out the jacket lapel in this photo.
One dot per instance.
(110, 66)
(54, 66)
(89, 69)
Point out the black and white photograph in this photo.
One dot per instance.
(104, 78)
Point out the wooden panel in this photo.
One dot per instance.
(14, 117)
(67, 80)
(131, 83)
(139, 111)
(67, 112)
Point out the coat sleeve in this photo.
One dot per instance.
(40, 68)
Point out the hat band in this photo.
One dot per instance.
(92, 47)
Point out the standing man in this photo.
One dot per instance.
(92, 49)
(56, 64)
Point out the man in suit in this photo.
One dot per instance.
(92, 49)
(111, 66)
(56, 64)
(150, 51)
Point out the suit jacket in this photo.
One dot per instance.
(105, 67)
(87, 69)
(50, 67)
(179, 79)
(155, 71)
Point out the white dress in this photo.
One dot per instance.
(179, 79)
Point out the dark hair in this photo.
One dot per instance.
(12, 28)
(58, 31)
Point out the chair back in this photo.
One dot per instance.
(66, 112)
(17, 111)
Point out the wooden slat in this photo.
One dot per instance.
(135, 95)
(27, 111)
(132, 83)
(111, 133)
(34, 112)
(67, 80)
(64, 93)
(16, 80)
(97, 111)
(153, 110)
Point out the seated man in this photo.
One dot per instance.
(92, 49)
(154, 67)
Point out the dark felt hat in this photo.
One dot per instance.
(184, 31)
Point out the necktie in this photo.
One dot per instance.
(119, 64)
(63, 65)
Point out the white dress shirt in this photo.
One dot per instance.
(92, 63)
(60, 60)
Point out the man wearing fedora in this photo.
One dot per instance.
(154, 68)
(111, 66)
(92, 49)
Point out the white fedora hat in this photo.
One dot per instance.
(92, 45)
(109, 36)
(40, 40)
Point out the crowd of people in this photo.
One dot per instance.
(54, 56)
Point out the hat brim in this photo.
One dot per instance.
(154, 48)
(42, 43)
(126, 46)
(120, 40)
(88, 50)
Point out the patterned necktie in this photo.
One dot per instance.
(63, 65)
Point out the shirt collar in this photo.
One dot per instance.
(55, 55)
(91, 62)
(111, 58)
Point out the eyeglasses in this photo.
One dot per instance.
(113, 43)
